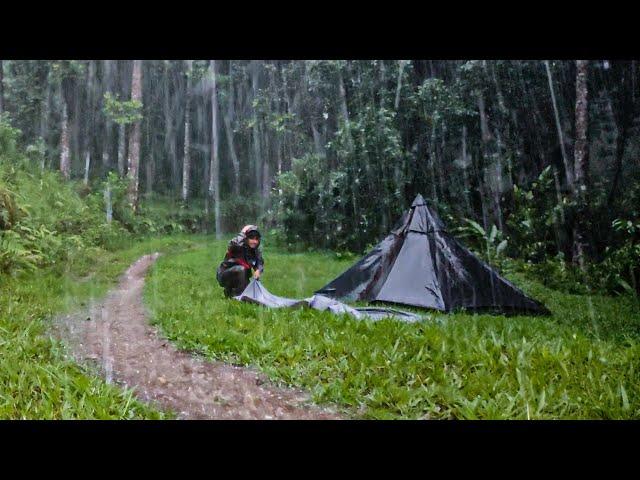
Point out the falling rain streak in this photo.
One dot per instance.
(329, 152)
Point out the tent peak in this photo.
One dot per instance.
(419, 200)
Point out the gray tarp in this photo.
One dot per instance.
(257, 293)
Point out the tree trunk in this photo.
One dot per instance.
(134, 140)
(44, 121)
(186, 161)
(345, 111)
(487, 138)
(565, 159)
(89, 119)
(64, 140)
(107, 202)
(257, 154)
(401, 65)
(620, 143)
(75, 125)
(266, 174)
(1, 88)
(214, 170)
(121, 148)
(228, 118)
(581, 165)
(432, 163)
(465, 164)
(382, 77)
(149, 174)
(150, 162)
(623, 117)
(278, 154)
(317, 140)
(479, 171)
(581, 145)
(106, 146)
(87, 164)
(169, 140)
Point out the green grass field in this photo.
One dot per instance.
(580, 363)
(38, 381)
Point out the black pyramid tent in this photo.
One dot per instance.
(420, 264)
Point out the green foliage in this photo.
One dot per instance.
(535, 215)
(620, 270)
(310, 206)
(170, 216)
(8, 137)
(579, 363)
(535, 226)
(490, 245)
(155, 216)
(123, 112)
(238, 211)
(44, 222)
(324, 207)
(65, 69)
(36, 152)
(556, 273)
(439, 102)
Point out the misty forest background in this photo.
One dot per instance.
(532, 163)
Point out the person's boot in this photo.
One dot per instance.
(236, 291)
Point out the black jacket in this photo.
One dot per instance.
(238, 249)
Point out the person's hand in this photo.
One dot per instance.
(256, 274)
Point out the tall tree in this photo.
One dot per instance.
(66, 73)
(107, 69)
(75, 123)
(134, 141)
(228, 117)
(65, 153)
(257, 147)
(65, 164)
(1, 88)
(186, 160)
(44, 117)
(565, 159)
(401, 65)
(581, 165)
(90, 119)
(122, 126)
(622, 104)
(169, 114)
(214, 169)
(344, 109)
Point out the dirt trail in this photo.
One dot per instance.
(115, 334)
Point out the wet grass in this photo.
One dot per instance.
(580, 363)
(37, 380)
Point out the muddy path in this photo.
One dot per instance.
(115, 336)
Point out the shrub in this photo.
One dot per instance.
(489, 245)
(44, 222)
(620, 270)
(240, 210)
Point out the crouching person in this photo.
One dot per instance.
(243, 256)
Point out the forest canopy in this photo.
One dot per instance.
(534, 160)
